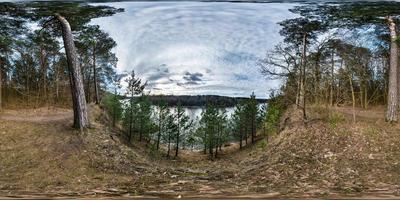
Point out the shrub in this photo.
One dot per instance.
(262, 145)
(113, 106)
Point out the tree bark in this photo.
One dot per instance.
(81, 119)
(88, 81)
(205, 141)
(302, 100)
(353, 97)
(391, 112)
(177, 137)
(130, 119)
(159, 129)
(1, 84)
(169, 143)
(96, 90)
(56, 68)
(241, 137)
(332, 80)
(44, 70)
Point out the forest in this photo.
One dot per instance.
(199, 100)
(338, 55)
(329, 128)
(39, 69)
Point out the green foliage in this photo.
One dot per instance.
(262, 145)
(153, 151)
(274, 113)
(137, 119)
(113, 105)
(163, 112)
(272, 118)
(213, 128)
(335, 118)
(95, 49)
(146, 125)
(183, 123)
(246, 118)
(170, 129)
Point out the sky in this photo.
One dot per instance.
(192, 48)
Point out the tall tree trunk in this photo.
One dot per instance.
(159, 130)
(353, 96)
(246, 131)
(210, 141)
(205, 142)
(302, 99)
(96, 90)
(81, 119)
(1, 84)
(177, 137)
(43, 70)
(317, 79)
(57, 71)
(217, 140)
(332, 79)
(130, 119)
(391, 113)
(253, 128)
(241, 137)
(298, 83)
(88, 81)
(114, 121)
(140, 129)
(366, 97)
(169, 143)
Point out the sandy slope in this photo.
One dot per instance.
(329, 157)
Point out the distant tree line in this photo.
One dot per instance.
(198, 100)
(170, 128)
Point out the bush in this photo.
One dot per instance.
(274, 112)
(262, 145)
(113, 106)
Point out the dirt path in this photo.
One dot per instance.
(369, 114)
(98, 194)
(40, 115)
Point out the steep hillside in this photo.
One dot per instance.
(329, 153)
(328, 156)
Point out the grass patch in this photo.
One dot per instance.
(262, 145)
(334, 119)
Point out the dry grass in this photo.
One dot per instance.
(50, 156)
(327, 154)
(330, 153)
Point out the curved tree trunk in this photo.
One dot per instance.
(81, 119)
(391, 113)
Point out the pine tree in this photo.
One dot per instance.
(163, 112)
(183, 123)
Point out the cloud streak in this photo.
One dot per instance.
(196, 47)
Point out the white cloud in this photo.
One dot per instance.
(220, 40)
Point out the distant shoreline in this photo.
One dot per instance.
(198, 100)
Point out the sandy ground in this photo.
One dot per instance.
(43, 144)
(41, 115)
